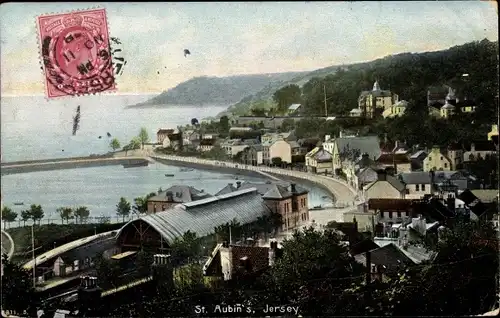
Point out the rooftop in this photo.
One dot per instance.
(180, 194)
(202, 216)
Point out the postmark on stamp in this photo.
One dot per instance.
(76, 56)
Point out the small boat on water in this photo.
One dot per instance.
(186, 169)
(136, 164)
(18, 203)
(169, 175)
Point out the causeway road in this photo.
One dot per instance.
(7, 244)
(337, 187)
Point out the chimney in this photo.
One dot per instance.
(368, 274)
(340, 134)
(450, 203)
(327, 137)
(432, 174)
(293, 187)
(89, 295)
(355, 222)
(472, 147)
(272, 252)
(238, 184)
(170, 196)
(226, 260)
(381, 175)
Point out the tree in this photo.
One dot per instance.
(224, 125)
(114, 144)
(310, 269)
(258, 112)
(143, 263)
(108, 272)
(143, 136)
(135, 143)
(123, 208)
(141, 203)
(25, 216)
(286, 96)
(36, 213)
(276, 161)
(187, 246)
(8, 215)
(65, 213)
(17, 288)
(194, 122)
(82, 213)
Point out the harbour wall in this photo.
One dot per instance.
(70, 163)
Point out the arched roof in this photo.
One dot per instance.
(202, 216)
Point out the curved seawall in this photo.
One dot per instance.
(338, 188)
(69, 163)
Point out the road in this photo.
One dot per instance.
(7, 244)
(337, 187)
(68, 163)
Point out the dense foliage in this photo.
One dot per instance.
(17, 288)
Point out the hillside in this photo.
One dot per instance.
(216, 90)
(407, 74)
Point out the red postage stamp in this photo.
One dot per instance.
(76, 55)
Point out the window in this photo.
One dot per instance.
(163, 207)
(430, 158)
(390, 214)
(154, 208)
(399, 214)
(445, 165)
(417, 188)
(423, 187)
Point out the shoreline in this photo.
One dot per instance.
(323, 182)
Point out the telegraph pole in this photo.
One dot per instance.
(33, 254)
(324, 92)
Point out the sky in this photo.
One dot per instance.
(245, 37)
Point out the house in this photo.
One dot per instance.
(437, 160)
(391, 210)
(294, 109)
(397, 161)
(319, 160)
(386, 262)
(356, 112)
(417, 183)
(373, 103)
(173, 140)
(288, 136)
(289, 200)
(480, 202)
(189, 137)
(235, 146)
(364, 177)
(460, 180)
(209, 135)
(361, 171)
(479, 149)
(395, 110)
(350, 148)
(240, 129)
(417, 160)
(228, 261)
(394, 148)
(493, 132)
(386, 186)
(252, 155)
(162, 134)
(207, 144)
(276, 148)
(447, 110)
(173, 196)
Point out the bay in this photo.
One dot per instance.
(34, 128)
